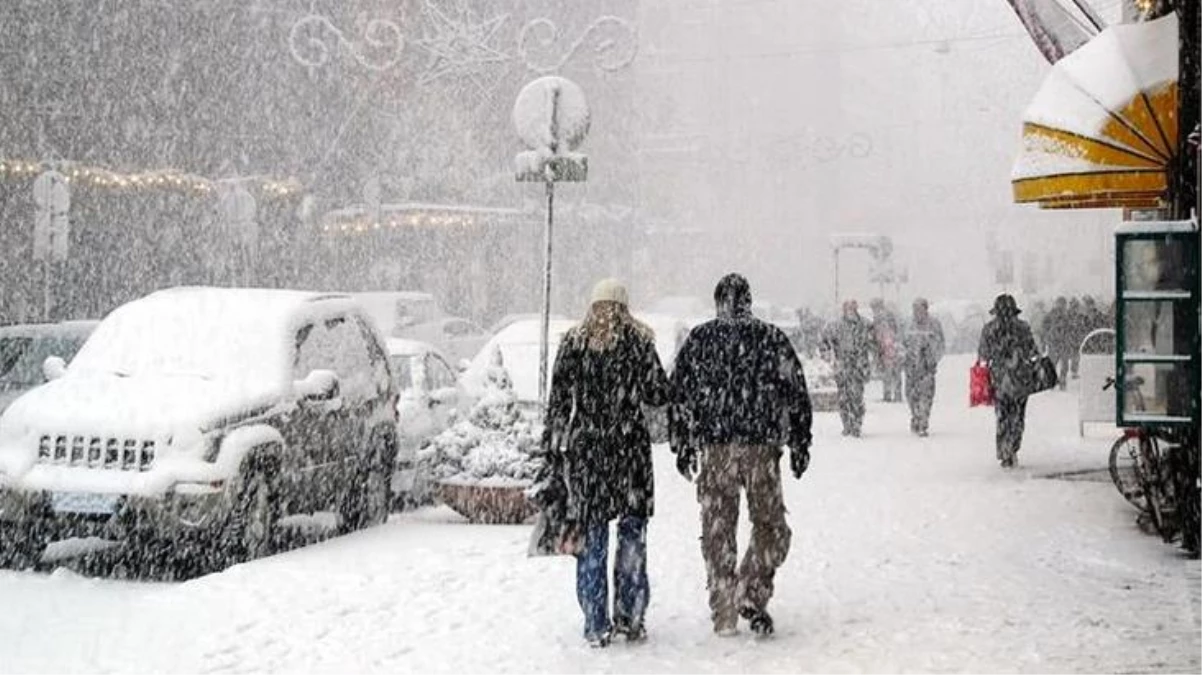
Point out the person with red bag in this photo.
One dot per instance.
(1007, 347)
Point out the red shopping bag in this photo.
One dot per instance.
(980, 389)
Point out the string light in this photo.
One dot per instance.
(360, 225)
(169, 179)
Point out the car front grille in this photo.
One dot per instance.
(94, 452)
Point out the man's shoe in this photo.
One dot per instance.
(598, 641)
(635, 632)
(761, 621)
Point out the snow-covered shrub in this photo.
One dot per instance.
(496, 444)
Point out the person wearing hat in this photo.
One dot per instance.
(1007, 347)
(740, 397)
(849, 342)
(596, 434)
(924, 346)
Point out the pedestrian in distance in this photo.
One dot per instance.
(887, 349)
(849, 343)
(924, 347)
(739, 396)
(1078, 329)
(605, 372)
(1058, 337)
(1007, 347)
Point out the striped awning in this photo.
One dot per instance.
(1102, 131)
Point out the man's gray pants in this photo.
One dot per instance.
(725, 470)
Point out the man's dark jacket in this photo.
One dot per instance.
(737, 380)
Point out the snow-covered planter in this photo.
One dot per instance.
(483, 464)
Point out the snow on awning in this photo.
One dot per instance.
(1102, 130)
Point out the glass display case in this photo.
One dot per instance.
(1158, 324)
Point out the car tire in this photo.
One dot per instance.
(368, 499)
(252, 525)
(20, 546)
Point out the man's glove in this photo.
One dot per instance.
(686, 463)
(799, 460)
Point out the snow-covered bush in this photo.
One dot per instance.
(496, 444)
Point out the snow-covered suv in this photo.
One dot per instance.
(199, 417)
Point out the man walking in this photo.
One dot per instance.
(739, 395)
(923, 350)
(1057, 338)
(850, 341)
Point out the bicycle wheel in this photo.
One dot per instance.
(1125, 471)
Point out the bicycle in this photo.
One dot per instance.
(1138, 468)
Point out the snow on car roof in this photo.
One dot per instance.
(217, 333)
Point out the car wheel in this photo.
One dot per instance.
(20, 546)
(368, 498)
(253, 524)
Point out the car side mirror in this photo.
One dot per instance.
(53, 368)
(319, 385)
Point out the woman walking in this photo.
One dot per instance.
(1007, 347)
(606, 371)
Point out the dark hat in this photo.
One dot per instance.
(1005, 305)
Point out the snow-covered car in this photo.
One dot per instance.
(820, 382)
(459, 338)
(509, 319)
(25, 347)
(199, 417)
(429, 395)
(518, 348)
(394, 311)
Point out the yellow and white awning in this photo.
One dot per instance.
(1102, 131)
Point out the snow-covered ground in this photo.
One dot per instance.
(908, 555)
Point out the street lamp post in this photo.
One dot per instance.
(551, 116)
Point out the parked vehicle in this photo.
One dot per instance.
(518, 348)
(198, 417)
(429, 398)
(458, 338)
(25, 347)
(393, 311)
(509, 319)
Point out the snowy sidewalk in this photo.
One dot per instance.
(908, 555)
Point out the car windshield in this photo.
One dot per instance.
(21, 357)
(402, 370)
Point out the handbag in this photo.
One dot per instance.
(980, 386)
(1043, 374)
(553, 535)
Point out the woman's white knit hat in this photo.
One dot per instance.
(610, 290)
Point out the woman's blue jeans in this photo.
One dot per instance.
(631, 590)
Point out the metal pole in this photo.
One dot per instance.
(836, 279)
(545, 338)
(46, 288)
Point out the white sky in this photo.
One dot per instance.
(754, 96)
